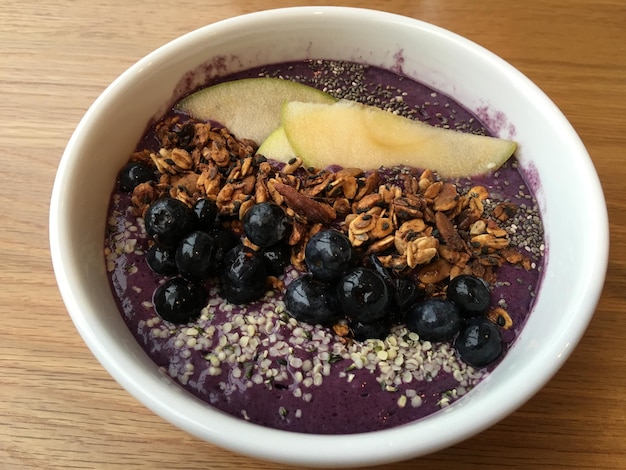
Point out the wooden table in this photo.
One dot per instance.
(58, 406)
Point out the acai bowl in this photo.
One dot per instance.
(508, 105)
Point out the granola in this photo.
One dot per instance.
(414, 223)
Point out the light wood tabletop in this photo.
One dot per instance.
(60, 409)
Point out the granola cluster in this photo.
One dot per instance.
(412, 221)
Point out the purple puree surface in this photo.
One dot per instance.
(289, 382)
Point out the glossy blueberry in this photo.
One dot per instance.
(225, 240)
(406, 294)
(377, 266)
(161, 260)
(168, 221)
(328, 254)
(311, 301)
(276, 257)
(133, 174)
(479, 343)
(363, 295)
(206, 211)
(195, 255)
(434, 319)
(179, 300)
(243, 276)
(379, 329)
(403, 290)
(266, 224)
(470, 293)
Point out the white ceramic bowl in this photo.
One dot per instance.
(568, 190)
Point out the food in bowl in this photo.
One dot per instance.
(549, 152)
(283, 354)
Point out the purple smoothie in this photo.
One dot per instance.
(258, 364)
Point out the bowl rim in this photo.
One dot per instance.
(330, 450)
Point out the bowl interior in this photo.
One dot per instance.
(550, 152)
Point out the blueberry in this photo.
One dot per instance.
(311, 301)
(133, 174)
(266, 224)
(328, 254)
(377, 265)
(406, 294)
(244, 276)
(206, 211)
(225, 240)
(470, 293)
(479, 343)
(161, 260)
(195, 255)
(434, 319)
(363, 295)
(179, 301)
(276, 257)
(403, 290)
(379, 329)
(168, 220)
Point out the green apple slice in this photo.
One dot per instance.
(251, 107)
(351, 134)
(277, 146)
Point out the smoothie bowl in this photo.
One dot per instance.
(259, 240)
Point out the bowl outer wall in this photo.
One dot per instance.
(549, 150)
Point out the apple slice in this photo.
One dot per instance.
(351, 134)
(277, 146)
(251, 107)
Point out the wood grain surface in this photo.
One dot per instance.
(58, 406)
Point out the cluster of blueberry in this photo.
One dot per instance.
(462, 314)
(192, 246)
(191, 243)
(372, 299)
